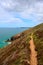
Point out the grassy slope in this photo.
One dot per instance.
(19, 51)
(16, 52)
(38, 40)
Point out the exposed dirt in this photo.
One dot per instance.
(33, 55)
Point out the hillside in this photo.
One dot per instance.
(18, 52)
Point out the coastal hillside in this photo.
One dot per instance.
(22, 48)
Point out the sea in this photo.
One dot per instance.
(6, 33)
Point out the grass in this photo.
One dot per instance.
(22, 46)
(38, 40)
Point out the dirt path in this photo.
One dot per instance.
(33, 55)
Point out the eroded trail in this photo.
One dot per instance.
(33, 55)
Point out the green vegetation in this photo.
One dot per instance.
(38, 40)
(18, 52)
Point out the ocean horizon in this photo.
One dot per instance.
(6, 33)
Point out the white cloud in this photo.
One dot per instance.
(5, 17)
(27, 13)
(16, 20)
(34, 12)
(29, 9)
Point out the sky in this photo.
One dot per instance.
(21, 13)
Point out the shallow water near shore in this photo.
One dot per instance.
(6, 33)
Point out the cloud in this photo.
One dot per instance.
(6, 17)
(27, 9)
(18, 5)
(34, 12)
(15, 20)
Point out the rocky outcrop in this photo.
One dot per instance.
(15, 37)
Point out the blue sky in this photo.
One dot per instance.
(21, 13)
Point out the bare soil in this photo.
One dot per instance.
(33, 55)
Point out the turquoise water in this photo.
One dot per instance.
(6, 33)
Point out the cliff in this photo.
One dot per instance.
(18, 52)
